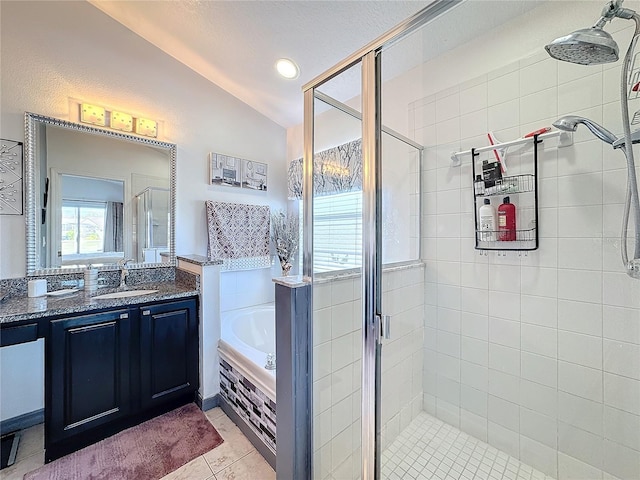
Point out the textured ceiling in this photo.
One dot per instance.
(235, 44)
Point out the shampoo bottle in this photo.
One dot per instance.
(507, 221)
(487, 216)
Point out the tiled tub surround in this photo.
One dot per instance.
(337, 340)
(251, 403)
(537, 354)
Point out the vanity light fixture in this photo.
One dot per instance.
(288, 68)
(115, 119)
(121, 121)
(146, 127)
(92, 114)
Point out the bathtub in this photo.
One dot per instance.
(247, 336)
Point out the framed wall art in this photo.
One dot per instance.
(254, 175)
(11, 177)
(237, 172)
(224, 170)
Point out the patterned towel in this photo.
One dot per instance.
(238, 235)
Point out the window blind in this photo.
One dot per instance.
(337, 230)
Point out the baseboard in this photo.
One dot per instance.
(208, 403)
(246, 430)
(21, 422)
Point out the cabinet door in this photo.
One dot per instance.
(90, 372)
(168, 352)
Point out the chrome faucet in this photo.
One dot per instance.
(124, 271)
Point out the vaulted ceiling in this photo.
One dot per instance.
(235, 44)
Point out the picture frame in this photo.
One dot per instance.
(224, 170)
(11, 177)
(229, 171)
(254, 175)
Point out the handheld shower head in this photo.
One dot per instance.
(569, 123)
(588, 46)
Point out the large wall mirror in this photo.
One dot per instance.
(96, 197)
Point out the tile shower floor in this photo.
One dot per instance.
(431, 449)
(234, 459)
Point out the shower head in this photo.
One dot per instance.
(588, 46)
(569, 123)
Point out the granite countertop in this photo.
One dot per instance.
(21, 308)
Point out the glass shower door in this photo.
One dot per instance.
(336, 213)
(365, 215)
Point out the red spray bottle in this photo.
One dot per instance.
(507, 221)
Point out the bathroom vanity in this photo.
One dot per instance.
(109, 364)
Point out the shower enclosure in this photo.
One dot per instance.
(432, 359)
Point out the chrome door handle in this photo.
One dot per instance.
(385, 326)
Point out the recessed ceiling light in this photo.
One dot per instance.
(287, 68)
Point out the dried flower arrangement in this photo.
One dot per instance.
(285, 237)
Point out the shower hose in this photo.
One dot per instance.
(631, 197)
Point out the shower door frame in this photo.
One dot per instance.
(370, 59)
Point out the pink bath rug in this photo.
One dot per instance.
(147, 451)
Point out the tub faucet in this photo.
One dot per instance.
(124, 271)
(271, 361)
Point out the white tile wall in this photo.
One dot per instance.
(538, 354)
(337, 365)
(246, 288)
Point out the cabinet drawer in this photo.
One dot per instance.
(16, 335)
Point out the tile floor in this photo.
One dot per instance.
(427, 449)
(431, 449)
(235, 459)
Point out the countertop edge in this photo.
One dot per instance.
(199, 260)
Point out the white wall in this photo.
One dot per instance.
(56, 51)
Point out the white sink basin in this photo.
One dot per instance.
(125, 294)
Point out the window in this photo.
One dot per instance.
(82, 227)
(337, 230)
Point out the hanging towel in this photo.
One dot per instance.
(238, 235)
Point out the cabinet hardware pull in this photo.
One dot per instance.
(146, 312)
(124, 316)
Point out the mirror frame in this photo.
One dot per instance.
(31, 120)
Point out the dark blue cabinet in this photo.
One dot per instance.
(90, 372)
(168, 352)
(111, 370)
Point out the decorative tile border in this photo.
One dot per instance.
(248, 401)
